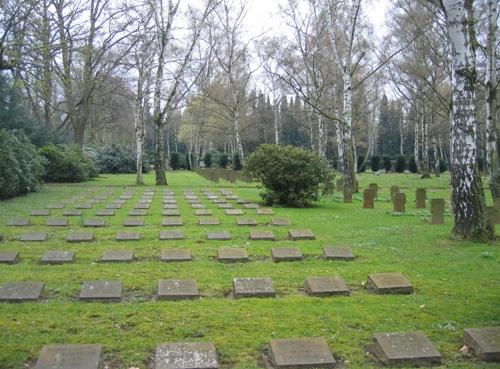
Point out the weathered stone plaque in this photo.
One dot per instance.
(374, 187)
(337, 253)
(55, 206)
(233, 254)
(9, 257)
(171, 235)
(246, 222)
(171, 255)
(18, 222)
(286, 254)
(118, 255)
(114, 206)
(280, 222)
(368, 198)
(300, 234)
(253, 287)
(257, 235)
(138, 212)
(301, 353)
(127, 236)
(57, 257)
(242, 201)
(171, 213)
(326, 286)
(219, 235)
(347, 194)
(203, 212)
(251, 206)
(186, 355)
(437, 211)
(170, 207)
(57, 222)
(198, 206)
(177, 289)
(405, 349)
(399, 202)
(265, 211)
(225, 206)
(172, 222)
(40, 213)
(69, 357)
(340, 184)
(484, 342)
(234, 212)
(105, 213)
(393, 190)
(208, 221)
(80, 237)
(101, 290)
(141, 206)
(21, 291)
(132, 222)
(34, 237)
(83, 206)
(169, 201)
(389, 283)
(94, 222)
(420, 195)
(72, 213)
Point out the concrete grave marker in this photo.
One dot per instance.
(177, 289)
(80, 237)
(117, 255)
(55, 206)
(72, 213)
(225, 206)
(208, 221)
(114, 206)
(83, 206)
(57, 257)
(437, 211)
(420, 195)
(347, 195)
(171, 213)
(253, 287)
(389, 283)
(132, 222)
(326, 286)
(265, 211)
(69, 357)
(203, 212)
(280, 222)
(57, 222)
(9, 257)
(170, 255)
(138, 212)
(127, 236)
(198, 206)
(368, 198)
(18, 222)
(399, 201)
(337, 253)
(171, 235)
(105, 213)
(170, 207)
(257, 235)
(234, 212)
(172, 222)
(186, 355)
(34, 237)
(101, 291)
(300, 234)
(286, 254)
(40, 213)
(233, 254)
(246, 222)
(251, 206)
(219, 235)
(301, 353)
(21, 291)
(141, 206)
(484, 342)
(94, 223)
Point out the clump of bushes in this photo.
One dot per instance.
(443, 166)
(400, 164)
(412, 165)
(223, 160)
(291, 176)
(375, 163)
(119, 159)
(207, 159)
(174, 161)
(237, 162)
(387, 163)
(21, 167)
(66, 164)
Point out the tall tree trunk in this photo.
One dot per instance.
(160, 166)
(416, 151)
(468, 202)
(425, 147)
(277, 104)
(437, 171)
(237, 135)
(140, 131)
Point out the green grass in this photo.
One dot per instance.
(457, 283)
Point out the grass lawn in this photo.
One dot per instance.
(457, 284)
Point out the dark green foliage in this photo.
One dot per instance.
(443, 166)
(361, 164)
(188, 162)
(66, 164)
(387, 163)
(119, 159)
(207, 159)
(223, 160)
(400, 164)
(375, 163)
(237, 162)
(291, 176)
(174, 161)
(389, 137)
(481, 163)
(412, 165)
(21, 167)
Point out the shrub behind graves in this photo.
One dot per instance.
(361, 164)
(174, 161)
(400, 164)
(66, 164)
(387, 163)
(375, 163)
(222, 161)
(119, 159)
(412, 165)
(443, 166)
(237, 162)
(21, 167)
(291, 176)
(207, 159)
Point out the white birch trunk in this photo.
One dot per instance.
(425, 147)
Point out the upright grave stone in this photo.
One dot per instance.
(347, 194)
(393, 190)
(399, 201)
(368, 198)
(420, 195)
(437, 211)
(340, 184)
(374, 186)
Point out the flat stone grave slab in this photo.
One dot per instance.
(169, 201)
(326, 286)
(208, 221)
(120, 201)
(170, 255)
(105, 213)
(101, 291)
(280, 222)
(172, 222)
(80, 237)
(225, 206)
(94, 223)
(234, 212)
(170, 207)
(95, 201)
(203, 212)
(55, 206)
(300, 234)
(261, 235)
(484, 342)
(286, 254)
(69, 357)
(21, 291)
(57, 257)
(186, 355)
(171, 213)
(405, 349)
(9, 257)
(243, 201)
(57, 222)
(251, 206)
(301, 353)
(118, 255)
(40, 213)
(145, 201)
(141, 206)
(246, 221)
(337, 253)
(34, 237)
(193, 201)
(265, 211)
(198, 206)
(18, 222)
(219, 235)
(389, 283)
(171, 235)
(253, 287)
(127, 236)
(83, 206)
(130, 222)
(177, 289)
(114, 206)
(72, 213)
(219, 201)
(233, 254)
(138, 212)
(231, 197)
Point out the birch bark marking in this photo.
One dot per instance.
(468, 203)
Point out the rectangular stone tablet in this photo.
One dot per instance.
(257, 235)
(137, 212)
(208, 221)
(21, 291)
(117, 256)
(219, 235)
(72, 213)
(326, 286)
(101, 291)
(18, 222)
(186, 355)
(127, 236)
(265, 211)
(286, 254)
(34, 237)
(246, 222)
(83, 206)
(301, 353)
(57, 222)
(389, 283)
(280, 222)
(95, 223)
(114, 206)
(253, 287)
(484, 342)
(172, 222)
(203, 212)
(234, 254)
(171, 255)
(9, 257)
(171, 235)
(55, 206)
(177, 289)
(57, 257)
(300, 234)
(80, 237)
(105, 213)
(141, 206)
(40, 213)
(132, 222)
(337, 253)
(69, 357)
(171, 213)
(234, 212)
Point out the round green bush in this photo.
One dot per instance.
(174, 161)
(223, 160)
(375, 163)
(291, 176)
(412, 165)
(400, 164)
(66, 164)
(115, 159)
(387, 163)
(237, 162)
(443, 166)
(207, 159)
